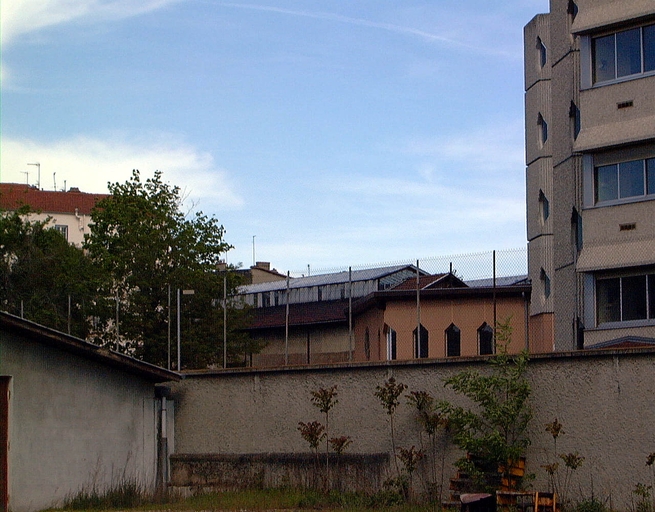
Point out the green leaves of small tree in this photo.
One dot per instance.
(389, 396)
(148, 246)
(494, 432)
(41, 274)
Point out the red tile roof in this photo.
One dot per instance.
(14, 195)
(300, 314)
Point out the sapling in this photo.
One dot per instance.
(325, 399)
(389, 395)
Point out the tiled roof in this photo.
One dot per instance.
(14, 195)
(300, 314)
(326, 279)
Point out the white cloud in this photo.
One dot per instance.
(89, 163)
(25, 16)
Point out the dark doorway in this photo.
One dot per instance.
(4, 443)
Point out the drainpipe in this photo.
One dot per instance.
(162, 478)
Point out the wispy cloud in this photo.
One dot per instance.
(24, 16)
(90, 163)
(390, 27)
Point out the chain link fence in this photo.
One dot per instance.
(510, 264)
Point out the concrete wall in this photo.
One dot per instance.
(603, 399)
(72, 423)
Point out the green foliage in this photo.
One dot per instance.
(126, 493)
(494, 432)
(40, 271)
(149, 248)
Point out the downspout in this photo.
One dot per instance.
(162, 478)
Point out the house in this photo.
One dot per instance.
(440, 316)
(315, 328)
(590, 154)
(260, 272)
(74, 415)
(70, 211)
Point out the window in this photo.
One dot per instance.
(542, 128)
(391, 344)
(453, 341)
(623, 54)
(485, 339)
(544, 207)
(367, 344)
(266, 299)
(320, 294)
(635, 178)
(542, 53)
(63, 229)
(421, 345)
(625, 298)
(576, 229)
(574, 116)
(545, 283)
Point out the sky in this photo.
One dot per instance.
(321, 133)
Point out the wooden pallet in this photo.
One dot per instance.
(526, 501)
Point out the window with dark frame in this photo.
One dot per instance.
(421, 346)
(625, 298)
(631, 179)
(623, 54)
(485, 339)
(453, 341)
(391, 344)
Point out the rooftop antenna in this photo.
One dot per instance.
(54, 181)
(27, 175)
(253, 250)
(38, 177)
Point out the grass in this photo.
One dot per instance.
(252, 500)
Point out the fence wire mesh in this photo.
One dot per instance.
(478, 266)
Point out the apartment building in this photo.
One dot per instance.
(69, 211)
(590, 155)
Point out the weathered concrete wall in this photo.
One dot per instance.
(603, 398)
(72, 423)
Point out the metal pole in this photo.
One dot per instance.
(225, 321)
(69, 313)
(169, 326)
(350, 313)
(418, 312)
(286, 326)
(118, 335)
(494, 297)
(179, 359)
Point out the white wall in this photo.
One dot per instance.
(73, 423)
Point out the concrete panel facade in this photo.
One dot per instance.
(603, 399)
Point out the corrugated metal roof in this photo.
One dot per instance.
(500, 281)
(15, 195)
(325, 279)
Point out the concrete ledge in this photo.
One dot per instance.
(223, 472)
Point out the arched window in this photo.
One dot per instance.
(421, 344)
(485, 339)
(453, 341)
(391, 344)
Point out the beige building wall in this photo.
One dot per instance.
(602, 398)
(468, 314)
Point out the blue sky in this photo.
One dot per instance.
(336, 133)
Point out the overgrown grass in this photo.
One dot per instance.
(269, 499)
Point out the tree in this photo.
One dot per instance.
(42, 276)
(149, 249)
(493, 433)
